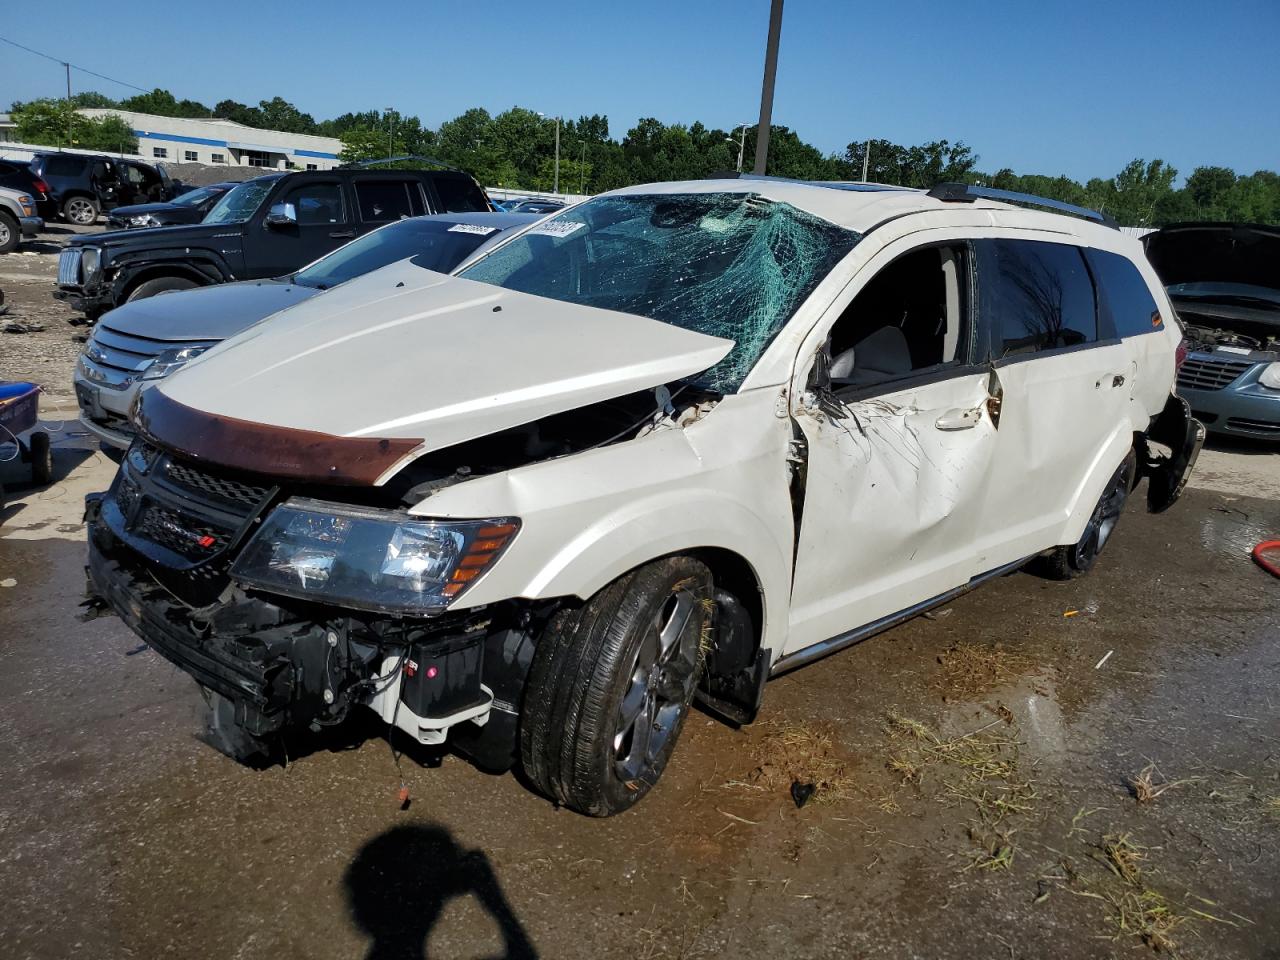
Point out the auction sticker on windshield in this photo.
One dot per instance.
(475, 228)
(557, 228)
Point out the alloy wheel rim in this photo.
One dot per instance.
(80, 211)
(1103, 520)
(660, 682)
(4, 233)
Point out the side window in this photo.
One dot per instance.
(317, 203)
(1035, 296)
(459, 194)
(63, 166)
(912, 316)
(384, 200)
(1124, 299)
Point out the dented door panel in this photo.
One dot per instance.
(893, 495)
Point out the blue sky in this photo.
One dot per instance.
(1051, 87)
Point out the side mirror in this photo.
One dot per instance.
(820, 375)
(282, 215)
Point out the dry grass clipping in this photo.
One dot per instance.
(808, 753)
(969, 669)
(1145, 788)
(1124, 858)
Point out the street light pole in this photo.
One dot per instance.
(766, 91)
(390, 132)
(866, 156)
(556, 188)
(582, 171)
(71, 112)
(742, 143)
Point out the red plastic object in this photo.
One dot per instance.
(1267, 556)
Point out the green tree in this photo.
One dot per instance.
(238, 113)
(92, 98)
(48, 122)
(162, 103)
(279, 114)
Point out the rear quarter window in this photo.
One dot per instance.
(1124, 298)
(63, 166)
(459, 195)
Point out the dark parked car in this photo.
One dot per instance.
(1224, 282)
(266, 227)
(84, 185)
(189, 207)
(17, 175)
(136, 346)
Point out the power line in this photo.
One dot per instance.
(66, 63)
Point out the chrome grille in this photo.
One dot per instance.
(1200, 372)
(69, 267)
(121, 357)
(1254, 426)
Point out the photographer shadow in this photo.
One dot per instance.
(400, 881)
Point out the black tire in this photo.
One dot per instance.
(598, 664)
(10, 232)
(150, 288)
(80, 210)
(1073, 560)
(41, 460)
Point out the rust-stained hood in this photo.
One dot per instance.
(405, 354)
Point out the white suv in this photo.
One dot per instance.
(658, 447)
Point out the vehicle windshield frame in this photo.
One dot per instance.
(258, 189)
(736, 265)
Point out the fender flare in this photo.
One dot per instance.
(204, 271)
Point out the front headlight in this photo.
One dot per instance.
(146, 220)
(168, 361)
(1270, 377)
(369, 559)
(90, 264)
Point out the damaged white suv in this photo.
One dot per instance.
(654, 449)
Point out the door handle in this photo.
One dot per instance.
(957, 419)
(342, 234)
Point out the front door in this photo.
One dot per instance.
(324, 222)
(899, 448)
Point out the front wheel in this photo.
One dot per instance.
(1072, 560)
(9, 233)
(611, 684)
(157, 286)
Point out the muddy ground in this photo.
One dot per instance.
(977, 773)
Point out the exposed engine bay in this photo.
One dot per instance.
(1236, 331)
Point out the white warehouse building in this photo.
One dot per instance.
(215, 142)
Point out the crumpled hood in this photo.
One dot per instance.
(206, 313)
(1216, 253)
(407, 353)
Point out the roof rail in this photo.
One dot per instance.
(967, 193)
(432, 161)
(857, 186)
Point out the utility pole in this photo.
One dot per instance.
(390, 133)
(70, 110)
(556, 188)
(582, 170)
(742, 144)
(866, 156)
(766, 92)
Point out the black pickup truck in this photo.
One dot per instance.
(266, 227)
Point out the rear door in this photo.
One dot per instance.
(1064, 380)
(324, 222)
(385, 198)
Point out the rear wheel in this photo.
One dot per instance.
(611, 684)
(82, 211)
(10, 232)
(1072, 560)
(150, 288)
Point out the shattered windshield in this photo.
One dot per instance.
(732, 265)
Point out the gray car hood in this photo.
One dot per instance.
(206, 313)
(407, 353)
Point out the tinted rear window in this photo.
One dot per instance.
(1036, 296)
(63, 166)
(1123, 295)
(459, 195)
(384, 200)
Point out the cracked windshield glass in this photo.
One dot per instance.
(731, 265)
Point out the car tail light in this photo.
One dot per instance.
(40, 186)
(1180, 356)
